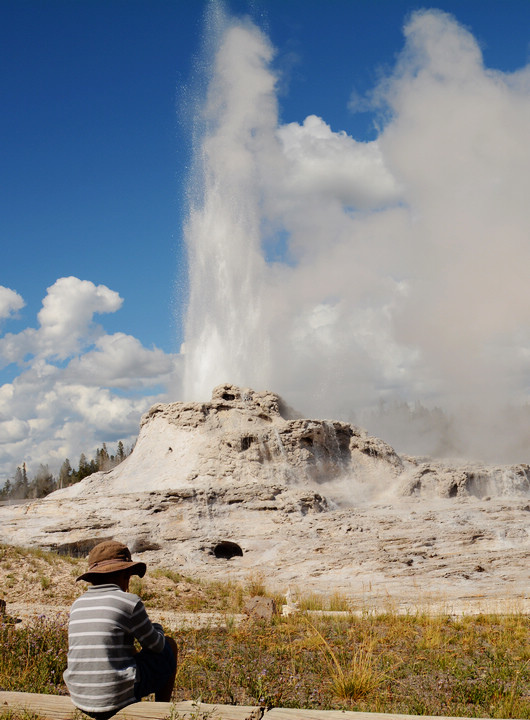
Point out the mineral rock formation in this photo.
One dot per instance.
(428, 478)
(241, 485)
(241, 436)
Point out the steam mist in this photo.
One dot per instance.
(379, 282)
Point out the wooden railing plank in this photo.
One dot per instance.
(60, 707)
(295, 714)
(188, 709)
(56, 707)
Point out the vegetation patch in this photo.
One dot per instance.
(466, 667)
(415, 664)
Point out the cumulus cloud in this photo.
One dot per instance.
(10, 302)
(78, 386)
(400, 267)
(13, 431)
(65, 321)
(121, 361)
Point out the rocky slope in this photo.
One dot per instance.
(240, 486)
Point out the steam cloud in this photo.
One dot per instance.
(345, 274)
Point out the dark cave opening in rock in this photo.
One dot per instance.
(226, 550)
(247, 441)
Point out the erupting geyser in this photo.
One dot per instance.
(339, 274)
(226, 328)
(371, 281)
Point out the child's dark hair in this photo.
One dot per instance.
(112, 578)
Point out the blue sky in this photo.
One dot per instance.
(94, 155)
(96, 149)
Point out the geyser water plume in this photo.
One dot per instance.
(226, 337)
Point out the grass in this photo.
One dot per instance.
(352, 677)
(161, 588)
(336, 602)
(8, 553)
(34, 656)
(37, 575)
(465, 667)
(363, 664)
(470, 666)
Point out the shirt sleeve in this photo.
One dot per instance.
(149, 635)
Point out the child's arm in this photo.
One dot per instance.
(149, 635)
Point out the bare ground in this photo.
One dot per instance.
(33, 583)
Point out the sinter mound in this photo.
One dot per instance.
(241, 485)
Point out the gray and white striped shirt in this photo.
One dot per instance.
(101, 669)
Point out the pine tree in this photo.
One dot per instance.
(6, 491)
(65, 474)
(121, 452)
(20, 486)
(43, 482)
(17, 483)
(83, 469)
(102, 459)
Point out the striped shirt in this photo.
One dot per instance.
(104, 623)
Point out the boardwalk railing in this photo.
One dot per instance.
(60, 707)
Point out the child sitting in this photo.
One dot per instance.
(104, 672)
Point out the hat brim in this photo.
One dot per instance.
(136, 568)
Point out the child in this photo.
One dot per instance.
(104, 672)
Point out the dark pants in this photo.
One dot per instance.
(153, 671)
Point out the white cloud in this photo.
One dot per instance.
(456, 143)
(10, 302)
(66, 321)
(12, 431)
(67, 311)
(120, 360)
(96, 394)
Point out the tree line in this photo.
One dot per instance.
(43, 482)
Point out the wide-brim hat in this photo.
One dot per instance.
(111, 556)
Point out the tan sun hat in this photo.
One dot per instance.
(111, 556)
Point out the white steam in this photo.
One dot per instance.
(226, 265)
(399, 272)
